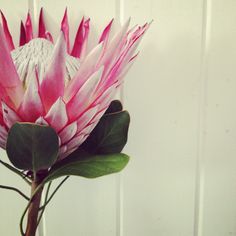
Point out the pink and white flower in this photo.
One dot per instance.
(65, 87)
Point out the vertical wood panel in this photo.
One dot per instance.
(220, 149)
(156, 191)
(83, 207)
(200, 168)
(162, 95)
(12, 205)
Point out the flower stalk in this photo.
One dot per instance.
(33, 208)
(57, 115)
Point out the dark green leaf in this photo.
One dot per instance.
(110, 135)
(88, 166)
(115, 106)
(31, 146)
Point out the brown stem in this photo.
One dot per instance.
(33, 210)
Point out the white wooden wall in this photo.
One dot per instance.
(181, 180)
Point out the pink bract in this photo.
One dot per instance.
(65, 87)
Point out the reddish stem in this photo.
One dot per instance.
(33, 210)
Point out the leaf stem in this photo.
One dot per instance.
(16, 190)
(45, 200)
(22, 175)
(53, 193)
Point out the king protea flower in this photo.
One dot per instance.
(64, 87)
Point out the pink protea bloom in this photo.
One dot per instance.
(66, 88)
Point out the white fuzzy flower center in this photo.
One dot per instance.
(37, 53)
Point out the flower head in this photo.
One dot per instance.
(67, 88)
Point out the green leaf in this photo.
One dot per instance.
(32, 147)
(110, 135)
(115, 106)
(88, 166)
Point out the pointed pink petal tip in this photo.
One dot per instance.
(7, 32)
(81, 39)
(106, 31)
(57, 115)
(41, 26)
(28, 28)
(65, 29)
(23, 39)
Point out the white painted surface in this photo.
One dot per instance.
(12, 206)
(181, 96)
(161, 93)
(219, 212)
